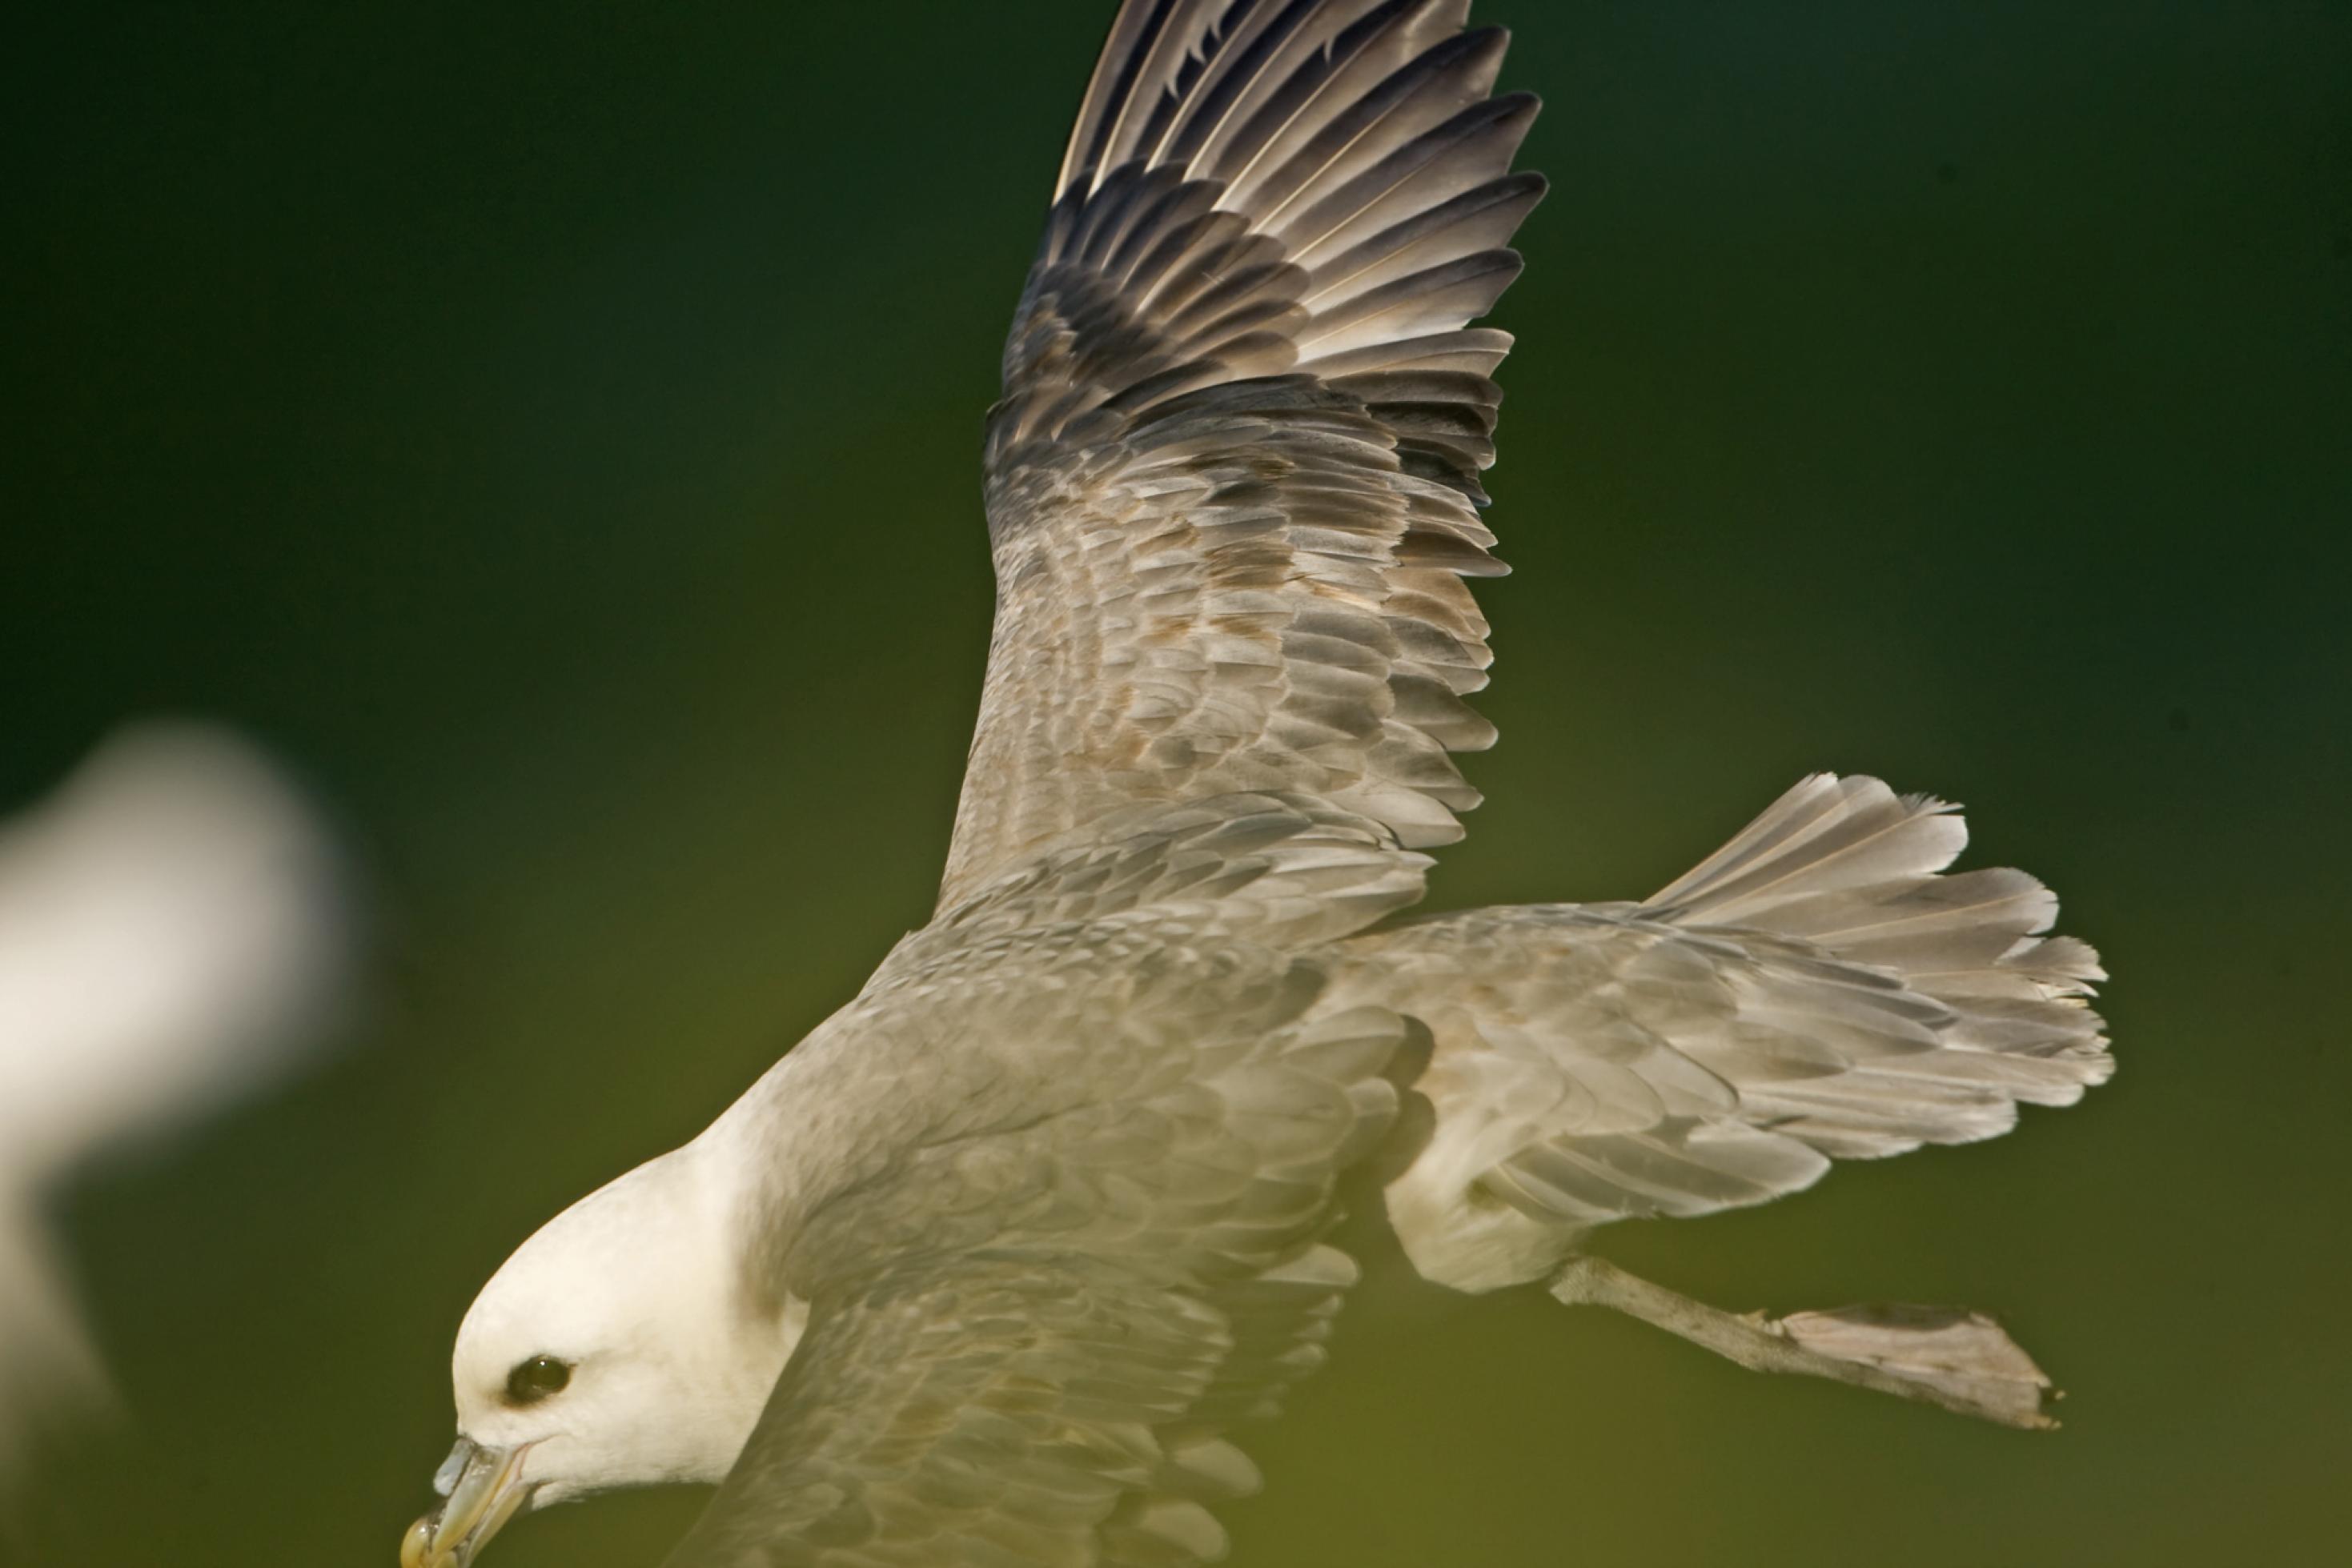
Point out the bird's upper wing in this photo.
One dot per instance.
(1233, 482)
(1070, 1234)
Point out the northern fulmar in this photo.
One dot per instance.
(991, 1267)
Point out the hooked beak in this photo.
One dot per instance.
(482, 1489)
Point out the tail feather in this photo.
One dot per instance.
(1827, 835)
(1815, 989)
(1851, 868)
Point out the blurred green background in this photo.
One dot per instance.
(556, 429)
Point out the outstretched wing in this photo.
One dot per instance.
(1078, 1240)
(1233, 482)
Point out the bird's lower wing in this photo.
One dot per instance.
(1037, 1407)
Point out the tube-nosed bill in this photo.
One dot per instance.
(481, 1489)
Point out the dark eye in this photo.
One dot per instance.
(533, 1380)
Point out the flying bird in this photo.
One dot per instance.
(175, 928)
(994, 1266)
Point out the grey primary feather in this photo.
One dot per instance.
(1233, 483)
(1054, 1185)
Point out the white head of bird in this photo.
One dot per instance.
(615, 1348)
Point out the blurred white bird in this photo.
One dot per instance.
(173, 929)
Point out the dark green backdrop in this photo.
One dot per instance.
(557, 429)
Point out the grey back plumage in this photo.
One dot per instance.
(1053, 1191)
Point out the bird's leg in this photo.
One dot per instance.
(1961, 1360)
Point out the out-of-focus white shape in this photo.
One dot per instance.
(172, 931)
